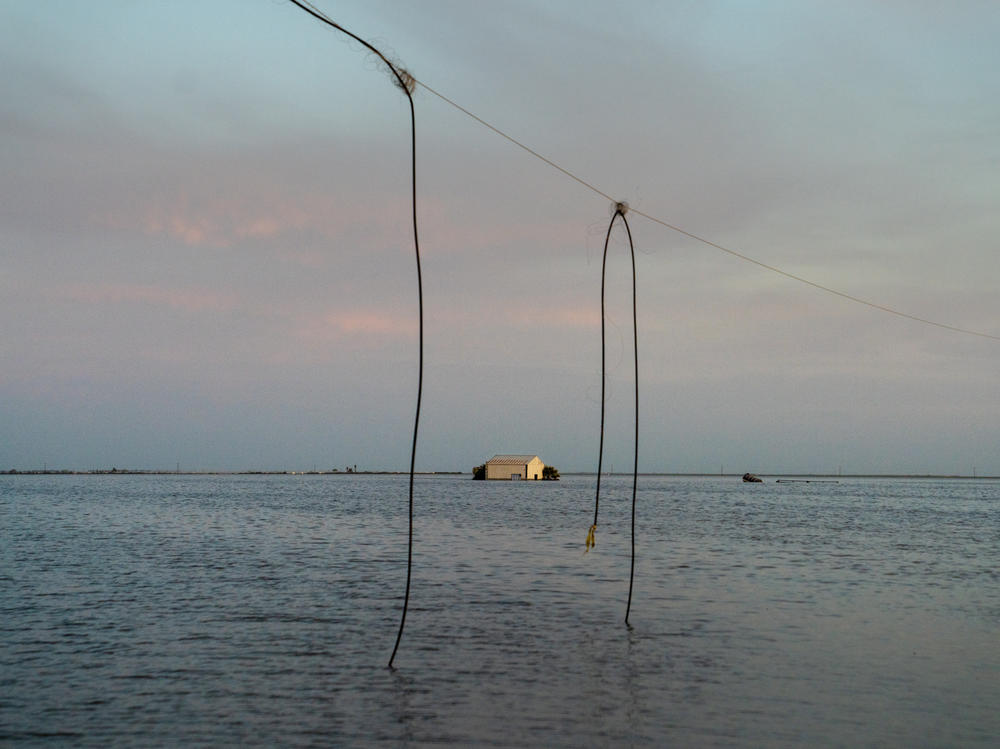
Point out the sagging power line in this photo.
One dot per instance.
(698, 238)
(405, 81)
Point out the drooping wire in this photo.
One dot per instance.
(703, 240)
(513, 140)
(621, 209)
(406, 83)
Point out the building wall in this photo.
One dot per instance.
(503, 471)
(535, 469)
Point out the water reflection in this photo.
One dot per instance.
(404, 716)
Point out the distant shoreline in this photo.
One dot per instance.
(144, 472)
(155, 472)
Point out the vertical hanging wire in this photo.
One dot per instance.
(635, 453)
(406, 82)
(621, 209)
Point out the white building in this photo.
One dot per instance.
(514, 467)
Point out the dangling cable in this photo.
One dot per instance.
(406, 82)
(621, 209)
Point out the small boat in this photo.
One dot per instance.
(751, 478)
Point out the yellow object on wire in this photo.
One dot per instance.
(591, 541)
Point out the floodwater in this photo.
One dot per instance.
(262, 610)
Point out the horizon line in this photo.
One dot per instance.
(384, 472)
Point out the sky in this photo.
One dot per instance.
(206, 251)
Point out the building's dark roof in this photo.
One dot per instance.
(512, 460)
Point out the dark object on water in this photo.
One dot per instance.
(751, 478)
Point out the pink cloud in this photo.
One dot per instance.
(189, 300)
(454, 231)
(265, 226)
(569, 315)
(373, 323)
(268, 212)
(260, 214)
(335, 326)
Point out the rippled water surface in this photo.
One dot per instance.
(262, 610)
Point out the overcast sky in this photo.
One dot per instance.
(207, 254)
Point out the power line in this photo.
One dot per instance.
(815, 285)
(513, 140)
(566, 172)
(703, 240)
(405, 82)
